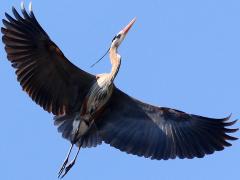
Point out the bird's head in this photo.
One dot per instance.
(117, 40)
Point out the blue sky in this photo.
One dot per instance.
(179, 54)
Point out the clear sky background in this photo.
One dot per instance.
(180, 54)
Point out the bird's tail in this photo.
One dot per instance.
(65, 127)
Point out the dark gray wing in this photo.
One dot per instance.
(158, 132)
(43, 71)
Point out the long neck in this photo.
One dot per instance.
(115, 61)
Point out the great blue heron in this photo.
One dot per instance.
(89, 109)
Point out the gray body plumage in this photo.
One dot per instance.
(98, 96)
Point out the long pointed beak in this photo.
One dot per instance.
(128, 27)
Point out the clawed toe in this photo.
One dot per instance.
(62, 167)
(67, 168)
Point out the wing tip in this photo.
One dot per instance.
(230, 123)
(5, 22)
(230, 130)
(3, 30)
(14, 9)
(228, 117)
(6, 14)
(230, 138)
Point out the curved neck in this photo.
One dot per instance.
(115, 61)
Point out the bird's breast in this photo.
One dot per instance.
(98, 96)
(92, 106)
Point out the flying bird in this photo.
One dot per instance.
(89, 109)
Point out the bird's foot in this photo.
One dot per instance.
(63, 167)
(68, 167)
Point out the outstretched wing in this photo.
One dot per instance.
(43, 71)
(158, 132)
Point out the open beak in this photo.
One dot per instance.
(128, 27)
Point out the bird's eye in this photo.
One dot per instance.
(118, 36)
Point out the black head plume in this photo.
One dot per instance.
(100, 58)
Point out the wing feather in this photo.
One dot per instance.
(43, 71)
(161, 133)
